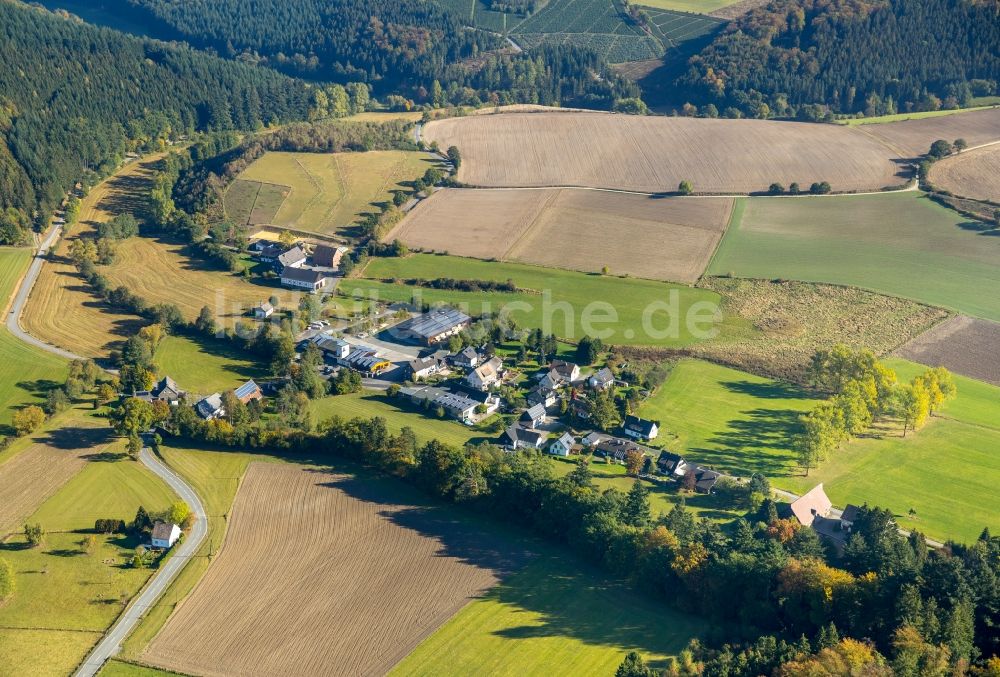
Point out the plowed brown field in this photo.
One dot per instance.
(974, 174)
(656, 238)
(654, 154)
(964, 345)
(912, 138)
(324, 574)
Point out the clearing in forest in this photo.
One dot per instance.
(320, 192)
(312, 562)
(644, 236)
(654, 154)
(902, 244)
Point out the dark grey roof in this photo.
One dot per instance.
(434, 323)
(603, 375)
(528, 435)
(639, 425)
(850, 513)
(534, 413)
(303, 275)
(669, 462)
(292, 256)
(161, 531)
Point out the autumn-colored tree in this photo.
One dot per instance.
(634, 460)
(849, 657)
(28, 420)
(809, 588)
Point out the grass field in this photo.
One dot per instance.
(369, 404)
(736, 422)
(65, 598)
(902, 244)
(26, 373)
(576, 229)
(204, 366)
(320, 192)
(653, 154)
(694, 6)
(902, 117)
(61, 309)
(116, 668)
(558, 301)
(557, 616)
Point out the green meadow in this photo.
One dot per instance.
(946, 472)
(204, 366)
(556, 616)
(567, 303)
(902, 244)
(26, 373)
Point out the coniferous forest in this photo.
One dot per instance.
(849, 56)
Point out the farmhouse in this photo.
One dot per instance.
(210, 407)
(293, 258)
(563, 446)
(304, 278)
(433, 327)
(248, 392)
(518, 437)
(263, 310)
(533, 416)
(485, 375)
(601, 379)
(268, 252)
(848, 517)
(165, 535)
(639, 428)
(165, 390)
(327, 256)
(810, 505)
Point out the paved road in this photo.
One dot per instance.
(17, 307)
(158, 584)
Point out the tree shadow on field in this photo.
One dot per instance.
(562, 595)
(77, 438)
(759, 442)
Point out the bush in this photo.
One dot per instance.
(109, 526)
(28, 420)
(34, 534)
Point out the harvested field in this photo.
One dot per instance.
(327, 574)
(577, 229)
(974, 174)
(37, 472)
(654, 154)
(964, 345)
(912, 138)
(320, 192)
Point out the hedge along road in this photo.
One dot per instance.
(161, 580)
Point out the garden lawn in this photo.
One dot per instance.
(205, 366)
(946, 472)
(26, 373)
(567, 303)
(71, 595)
(556, 616)
(368, 404)
(901, 244)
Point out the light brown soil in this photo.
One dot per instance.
(738, 9)
(324, 574)
(654, 154)
(656, 238)
(912, 138)
(974, 174)
(35, 474)
(964, 345)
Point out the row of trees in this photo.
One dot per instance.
(861, 391)
(763, 576)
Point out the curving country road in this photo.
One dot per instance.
(17, 306)
(161, 580)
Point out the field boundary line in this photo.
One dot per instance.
(910, 186)
(736, 210)
(531, 225)
(316, 184)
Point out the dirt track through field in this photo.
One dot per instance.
(964, 345)
(656, 238)
(654, 154)
(324, 573)
(36, 473)
(974, 174)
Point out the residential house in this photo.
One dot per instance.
(424, 367)
(304, 278)
(269, 252)
(336, 349)
(615, 448)
(705, 479)
(849, 517)
(563, 446)
(518, 437)
(263, 310)
(165, 390)
(433, 327)
(639, 428)
(467, 358)
(457, 404)
(293, 258)
(165, 535)
(670, 464)
(810, 505)
(486, 374)
(533, 416)
(248, 392)
(327, 256)
(592, 439)
(602, 379)
(546, 397)
(567, 370)
(210, 407)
